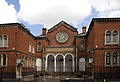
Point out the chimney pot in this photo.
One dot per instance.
(84, 29)
(44, 31)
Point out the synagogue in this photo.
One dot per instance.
(61, 50)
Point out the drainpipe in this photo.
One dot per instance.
(43, 59)
(76, 59)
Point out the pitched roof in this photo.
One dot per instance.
(20, 25)
(64, 24)
(96, 20)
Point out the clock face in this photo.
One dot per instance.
(62, 36)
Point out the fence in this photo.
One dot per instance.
(107, 72)
(99, 73)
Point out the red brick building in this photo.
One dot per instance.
(61, 49)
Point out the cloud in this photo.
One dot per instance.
(106, 8)
(50, 12)
(7, 12)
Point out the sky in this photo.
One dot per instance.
(38, 14)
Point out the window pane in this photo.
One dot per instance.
(39, 47)
(115, 59)
(29, 47)
(108, 37)
(115, 37)
(4, 59)
(33, 50)
(81, 45)
(0, 40)
(5, 40)
(108, 59)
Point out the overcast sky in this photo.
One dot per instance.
(36, 14)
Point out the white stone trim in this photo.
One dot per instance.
(72, 59)
(47, 60)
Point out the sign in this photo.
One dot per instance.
(60, 49)
(19, 61)
(90, 60)
(82, 64)
(38, 64)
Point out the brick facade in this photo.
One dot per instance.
(71, 53)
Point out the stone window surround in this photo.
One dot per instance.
(111, 59)
(111, 43)
(83, 43)
(2, 35)
(1, 63)
(38, 45)
(30, 47)
(55, 56)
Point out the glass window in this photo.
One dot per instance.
(114, 58)
(29, 47)
(81, 45)
(108, 37)
(108, 59)
(33, 51)
(26, 61)
(115, 37)
(5, 40)
(39, 47)
(0, 40)
(4, 59)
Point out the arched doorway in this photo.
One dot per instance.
(69, 63)
(59, 63)
(38, 64)
(50, 63)
(82, 64)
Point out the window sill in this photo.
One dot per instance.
(111, 65)
(3, 66)
(107, 65)
(115, 65)
(111, 44)
(33, 53)
(38, 51)
(115, 44)
(3, 47)
(108, 44)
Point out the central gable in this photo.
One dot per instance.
(62, 34)
(62, 23)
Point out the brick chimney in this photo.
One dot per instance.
(84, 29)
(44, 31)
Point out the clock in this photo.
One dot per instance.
(62, 36)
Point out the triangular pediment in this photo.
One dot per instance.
(62, 23)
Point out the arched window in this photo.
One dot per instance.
(82, 46)
(115, 58)
(38, 64)
(115, 37)
(4, 59)
(108, 37)
(0, 40)
(108, 59)
(82, 64)
(39, 47)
